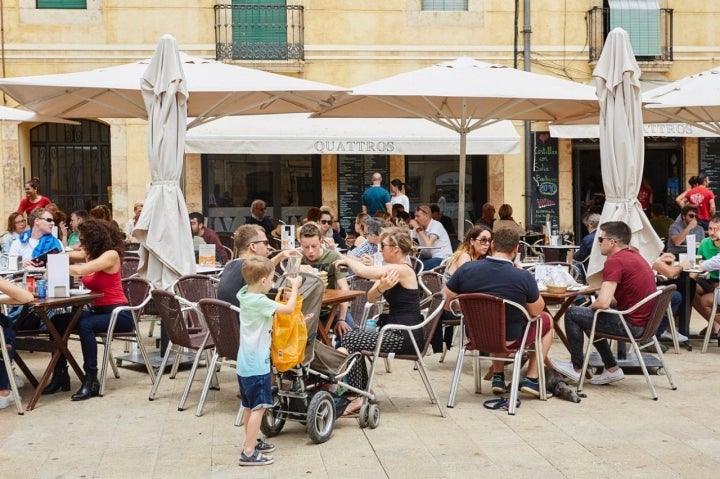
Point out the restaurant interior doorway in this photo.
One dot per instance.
(664, 170)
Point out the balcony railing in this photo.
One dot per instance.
(656, 38)
(259, 32)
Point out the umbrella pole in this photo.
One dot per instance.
(461, 186)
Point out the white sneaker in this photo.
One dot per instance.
(19, 381)
(566, 369)
(6, 401)
(607, 377)
(668, 335)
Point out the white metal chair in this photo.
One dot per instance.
(713, 313)
(137, 290)
(7, 364)
(483, 320)
(434, 305)
(661, 299)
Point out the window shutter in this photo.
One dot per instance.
(641, 19)
(62, 4)
(445, 5)
(265, 29)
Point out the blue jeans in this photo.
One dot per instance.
(92, 322)
(430, 263)
(9, 339)
(578, 322)
(675, 302)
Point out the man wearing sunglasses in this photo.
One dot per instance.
(686, 224)
(627, 279)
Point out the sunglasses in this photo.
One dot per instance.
(692, 216)
(265, 242)
(49, 220)
(483, 240)
(601, 239)
(326, 222)
(383, 245)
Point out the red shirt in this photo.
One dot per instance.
(26, 206)
(700, 197)
(635, 281)
(108, 284)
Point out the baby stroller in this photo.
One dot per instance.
(312, 393)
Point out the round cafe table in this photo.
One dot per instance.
(556, 252)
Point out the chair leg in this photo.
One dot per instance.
(673, 330)
(668, 372)
(515, 385)
(429, 387)
(388, 369)
(636, 348)
(159, 375)
(456, 377)
(176, 363)
(107, 342)
(113, 365)
(206, 385)
(239, 417)
(11, 376)
(586, 361)
(708, 332)
(146, 358)
(193, 370)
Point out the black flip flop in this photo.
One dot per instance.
(500, 403)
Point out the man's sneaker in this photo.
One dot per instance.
(498, 385)
(533, 388)
(607, 377)
(668, 336)
(6, 401)
(566, 369)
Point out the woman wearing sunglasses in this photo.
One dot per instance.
(476, 245)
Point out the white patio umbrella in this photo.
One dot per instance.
(622, 146)
(465, 95)
(163, 228)
(14, 114)
(694, 99)
(217, 90)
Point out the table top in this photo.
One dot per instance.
(51, 303)
(569, 293)
(207, 269)
(556, 246)
(332, 296)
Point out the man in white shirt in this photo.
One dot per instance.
(431, 234)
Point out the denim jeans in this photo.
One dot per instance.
(675, 302)
(90, 323)
(9, 339)
(578, 321)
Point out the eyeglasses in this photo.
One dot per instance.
(18, 222)
(601, 239)
(265, 242)
(326, 222)
(49, 220)
(383, 245)
(483, 240)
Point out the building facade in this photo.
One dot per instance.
(104, 160)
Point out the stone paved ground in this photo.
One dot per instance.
(617, 431)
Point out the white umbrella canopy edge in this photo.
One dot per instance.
(163, 228)
(463, 95)
(218, 89)
(622, 147)
(15, 114)
(693, 99)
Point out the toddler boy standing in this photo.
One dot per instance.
(253, 361)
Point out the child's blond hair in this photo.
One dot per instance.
(256, 268)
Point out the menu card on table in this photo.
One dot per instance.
(287, 240)
(690, 242)
(58, 273)
(206, 255)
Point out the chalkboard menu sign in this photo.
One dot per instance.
(710, 159)
(354, 176)
(544, 174)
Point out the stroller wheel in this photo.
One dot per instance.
(373, 419)
(364, 415)
(321, 417)
(273, 420)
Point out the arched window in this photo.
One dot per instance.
(73, 163)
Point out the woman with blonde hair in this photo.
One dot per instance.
(476, 245)
(360, 229)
